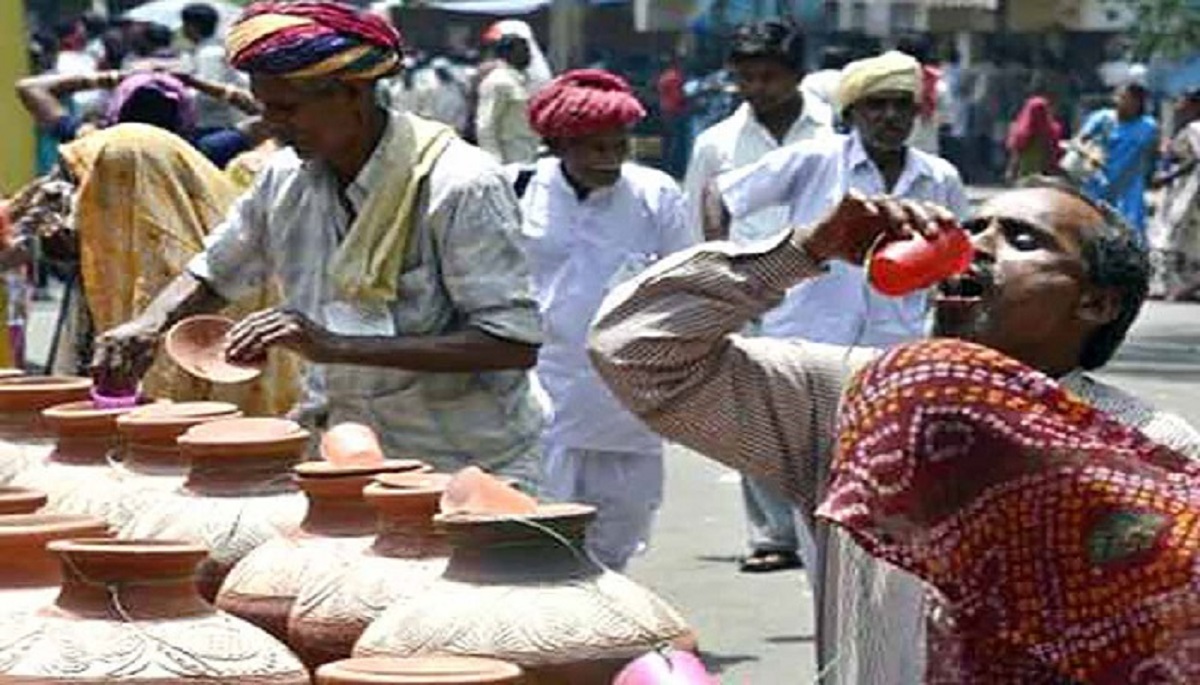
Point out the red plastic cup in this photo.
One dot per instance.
(900, 267)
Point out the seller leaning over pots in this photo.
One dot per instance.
(393, 241)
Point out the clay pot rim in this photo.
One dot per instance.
(141, 417)
(430, 669)
(205, 360)
(140, 547)
(85, 410)
(323, 470)
(545, 512)
(19, 384)
(244, 431)
(402, 484)
(25, 525)
(11, 372)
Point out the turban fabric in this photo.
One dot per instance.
(165, 86)
(890, 72)
(583, 102)
(313, 39)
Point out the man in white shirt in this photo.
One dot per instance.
(766, 61)
(500, 121)
(591, 220)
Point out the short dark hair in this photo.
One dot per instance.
(148, 106)
(1138, 91)
(917, 45)
(770, 39)
(835, 56)
(1116, 257)
(202, 17)
(156, 36)
(505, 45)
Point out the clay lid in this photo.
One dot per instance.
(104, 560)
(412, 482)
(33, 527)
(431, 670)
(35, 393)
(8, 372)
(169, 420)
(242, 437)
(566, 512)
(14, 500)
(325, 470)
(197, 344)
(82, 417)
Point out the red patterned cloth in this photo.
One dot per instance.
(1065, 545)
(583, 102)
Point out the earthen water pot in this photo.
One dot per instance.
(149, 438)
(78, 475)
(29, 573)
(407, 555)
(24, 439)
(197, 344)
(18, 500)
(238, 493)
(128, 612)
(433, 670)
(520, 588)
(338, 527)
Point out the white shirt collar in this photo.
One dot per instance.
(806, 121)
(914, 166)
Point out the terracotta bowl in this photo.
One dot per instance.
(35, 393)
(432, 670)
(82, 417)
(197, 345)
(15, 500)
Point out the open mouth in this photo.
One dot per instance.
(965, 289)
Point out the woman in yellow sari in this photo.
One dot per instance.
(143, 200)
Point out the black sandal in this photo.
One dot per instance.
(766, 561)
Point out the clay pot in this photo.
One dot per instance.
(407, 555)
(238, 493)
(30, 575)
(24, 439)
(338, 527)
(77, 476)
(18, 500)
(197, 344)
(150, 435)
(521, 589)
(436, 670)
(129, 612)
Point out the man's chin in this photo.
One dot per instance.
(956, 319)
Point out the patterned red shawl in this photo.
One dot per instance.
(1066, 546)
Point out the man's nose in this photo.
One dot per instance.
(985, 241)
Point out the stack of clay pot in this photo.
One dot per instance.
(238, 493)
(29, 574)
(435, 670)
(77, 475)
(520, 588)
(25, 440)
(338, 527)
(149, 437)
(408, 554)
(129, 612)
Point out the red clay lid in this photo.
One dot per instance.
(83, 416)
(35, 393)
(324, 469)
(197, 344)
(239, 431)
(15, 500)
(431, 670)
(414, 482)
(172, 412)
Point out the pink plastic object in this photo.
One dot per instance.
(903, 266)
(101, 401)
(471, 491)
(666, 667)
(351, 444)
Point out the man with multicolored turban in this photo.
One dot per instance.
(395, 244)
(592, 219)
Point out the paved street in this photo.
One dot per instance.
(758, 629)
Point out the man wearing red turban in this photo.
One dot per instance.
(591, 220)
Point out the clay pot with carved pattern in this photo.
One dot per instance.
(521, 589)
(433, 670)
(407, 555)
(150, 439)
(128, 612)
(25, 440)
(29, 573)
(238, 494)
(338, 527)
(18, 500)
(77, 475)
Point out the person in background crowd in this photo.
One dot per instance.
(1129, 136)
(1056, 282)
(205, 60)
(1033, 141)
(933, 106)
(74, 60)
(1175, 230)
(820, 87)
(154, 98)
(591, 220)
(673, 109)
(94, 27)
(125, 210)
(501, 122)
(395, 244)
(538, 72)
(153, 49)
(766, 60)
(438, 94)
